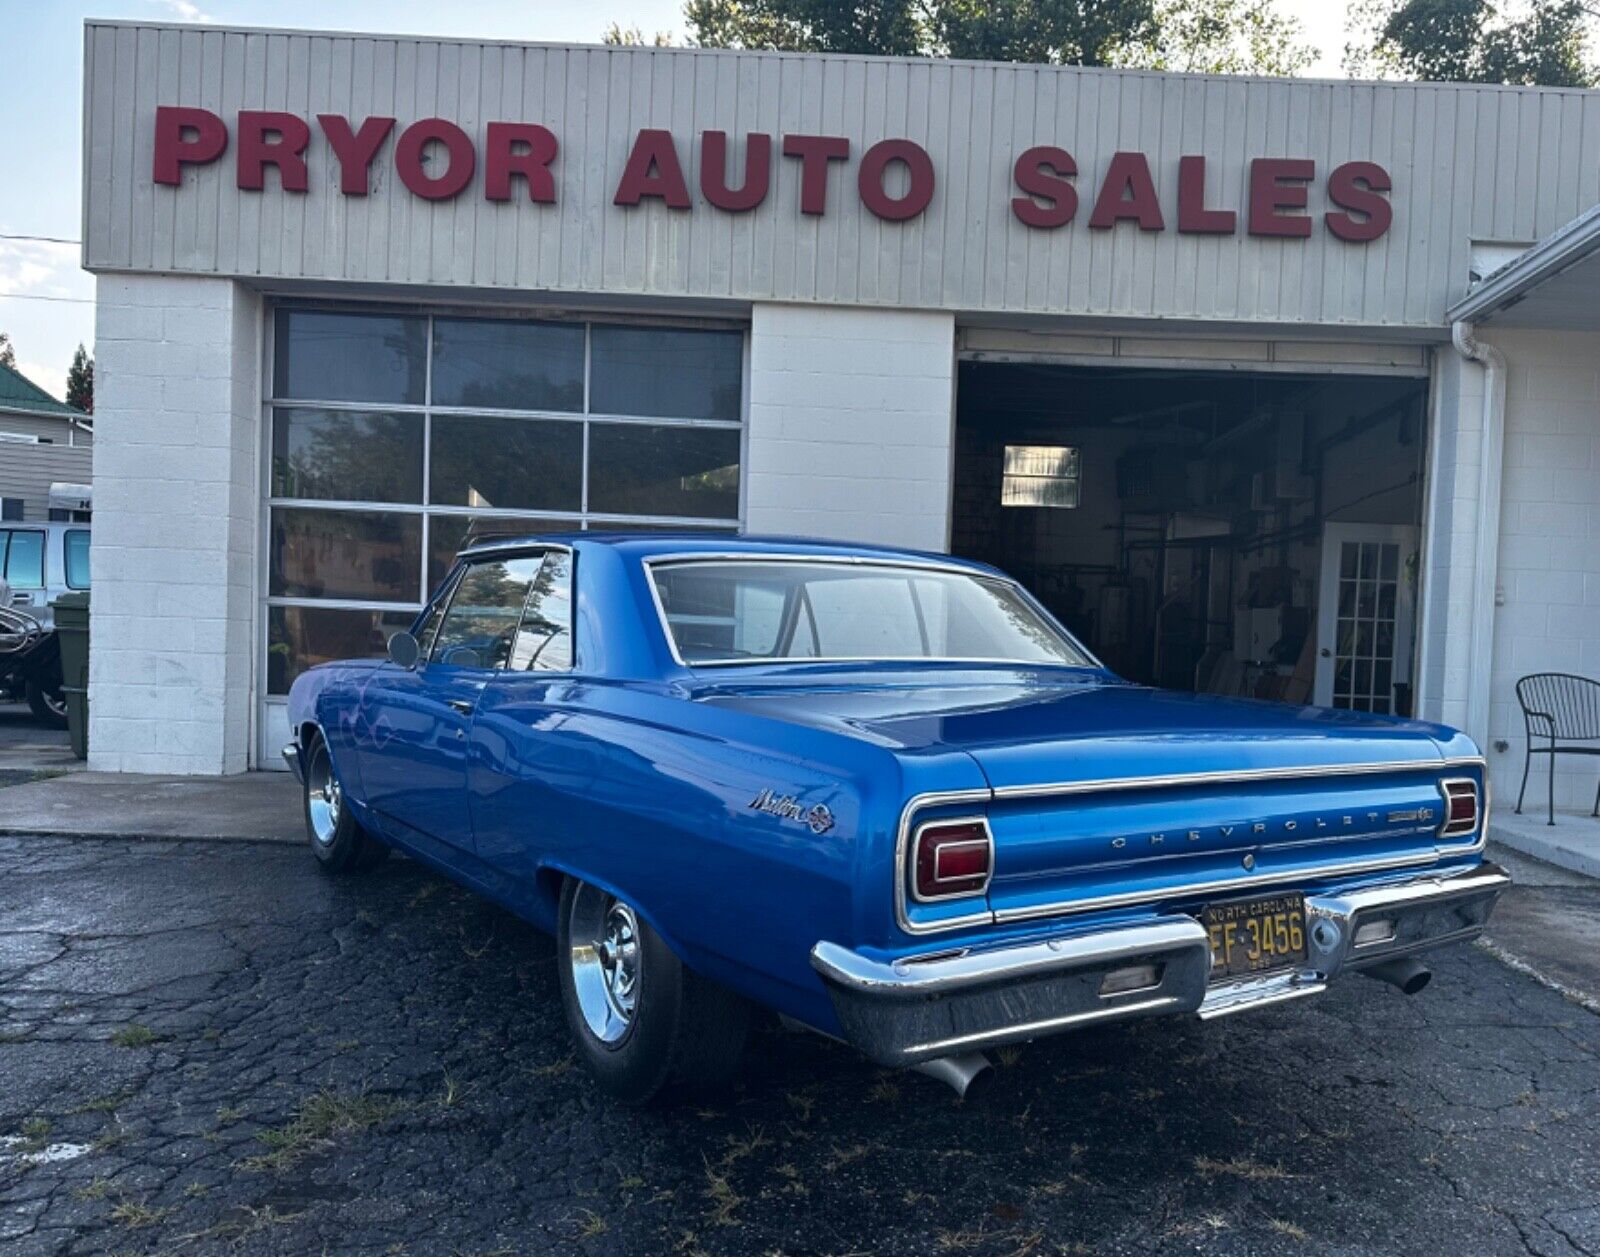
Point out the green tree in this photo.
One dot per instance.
(8, 355)
(1471, 41)
(80, 381)
(887, 27)
(633, 37)
(1221, 37)
(1218, 36)
(1064, 32)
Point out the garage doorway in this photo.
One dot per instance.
(1215, 531)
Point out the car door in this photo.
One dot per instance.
(417, 722)
(532, 757)
(24, 572)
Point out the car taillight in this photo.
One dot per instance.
(1460, 808)
(952, 858)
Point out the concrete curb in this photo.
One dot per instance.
(1556, 848)
(107, 835)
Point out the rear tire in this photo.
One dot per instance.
(338, 842)
(644, 1024)
(49, 706)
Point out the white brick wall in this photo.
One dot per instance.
(1549, 561)
(176, 510)
(852, 417)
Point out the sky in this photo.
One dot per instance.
(47, 301)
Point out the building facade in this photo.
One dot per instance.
(43, 443)
(1178, 351)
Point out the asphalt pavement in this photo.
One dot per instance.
(213, 1048)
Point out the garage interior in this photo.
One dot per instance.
(1224, 532)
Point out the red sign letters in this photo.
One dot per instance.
(894, 178)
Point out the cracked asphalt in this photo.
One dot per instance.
(212, 1048)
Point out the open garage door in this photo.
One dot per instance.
(1222, 531)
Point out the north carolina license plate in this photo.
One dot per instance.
(1255, 935)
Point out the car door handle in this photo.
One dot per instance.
(462, 705)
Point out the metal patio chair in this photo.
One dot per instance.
(1564, 711)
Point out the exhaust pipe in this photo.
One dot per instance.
(1406, 972)
(956, 1072)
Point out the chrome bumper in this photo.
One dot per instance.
(963, 1000)
(291, 756)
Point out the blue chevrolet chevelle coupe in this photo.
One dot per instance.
(882, 793)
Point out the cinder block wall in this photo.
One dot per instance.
(173, 562)
(852, 418)
(1549, 560)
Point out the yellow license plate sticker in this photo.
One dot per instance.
(1256, 935)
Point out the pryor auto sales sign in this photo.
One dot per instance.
(895, 179)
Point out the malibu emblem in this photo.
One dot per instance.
(788, 808)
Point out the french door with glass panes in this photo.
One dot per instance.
(1366, 615)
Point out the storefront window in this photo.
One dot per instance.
(642, 469)
(507, 464)
(499, 364)
(665, 373)
(385, 460)
(350, 455)
(370, 557)
(371, 358)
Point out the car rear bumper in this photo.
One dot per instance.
(919, 1008)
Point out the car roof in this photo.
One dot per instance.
(685, 543)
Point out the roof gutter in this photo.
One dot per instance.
(1486, 547)
(1516, 279)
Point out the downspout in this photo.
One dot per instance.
(1486, 549)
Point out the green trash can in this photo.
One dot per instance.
(72, 632)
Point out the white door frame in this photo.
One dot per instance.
(1334, 538)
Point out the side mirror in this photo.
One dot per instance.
(403, 650)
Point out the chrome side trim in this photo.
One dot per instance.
(1332, 868)
(1167, 780)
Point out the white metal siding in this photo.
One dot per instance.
(1467, 162)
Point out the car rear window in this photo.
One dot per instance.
(722, 611)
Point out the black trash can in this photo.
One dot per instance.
(72, 633)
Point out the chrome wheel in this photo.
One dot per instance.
(56, 702)
(604, 955)
(324, 798)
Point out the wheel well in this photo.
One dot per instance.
(547, 896)
(309, 730)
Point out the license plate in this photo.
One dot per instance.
(1255, 935)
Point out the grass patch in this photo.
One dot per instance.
(320, 1119)
(134, 1035)
(1240, 1167)
(1296, 1233)
(135, 1214)
(103, 1104)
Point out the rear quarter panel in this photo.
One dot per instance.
(645, 792)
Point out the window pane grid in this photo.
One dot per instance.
(506, 389)
(1365, 628)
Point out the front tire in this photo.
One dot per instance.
(643, 1024)
(338, 842)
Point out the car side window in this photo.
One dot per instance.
(25, 560)
(75, 547)
(544, 638)
(481, 622)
